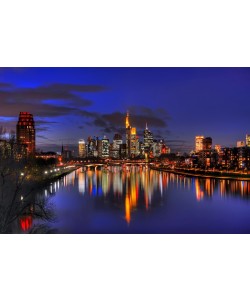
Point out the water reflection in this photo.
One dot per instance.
(132, 183)
(139, 189)
(136, 183)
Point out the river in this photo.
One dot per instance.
(140, 200)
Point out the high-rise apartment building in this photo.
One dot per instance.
(26, 133)
(199, 143)
(82, 148)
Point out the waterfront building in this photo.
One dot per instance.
(82, 148)
(134, 143)
(115, 149)
(105, 147)
(128, 136)
(199, 143)
(132, 140)
(92, 147)
(208, 158)
(99, 148)
(123, 151)
(148, 139)
(25, 132)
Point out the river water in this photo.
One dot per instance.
(140, 200)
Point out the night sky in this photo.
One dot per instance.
(177, 103)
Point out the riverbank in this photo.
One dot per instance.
(47, 178)
(205, 174)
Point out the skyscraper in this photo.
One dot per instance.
(116, 146)
(81, 148)
(105, 147)
(128, 136)
(25, 132)
(248, 140)
(199, 143)
(148, 139)
(134, 144)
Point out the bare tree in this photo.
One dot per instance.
(18, 185)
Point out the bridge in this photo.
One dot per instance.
(108, 164)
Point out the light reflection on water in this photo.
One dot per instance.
(138, 193)
(131, 182)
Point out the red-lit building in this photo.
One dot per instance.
(25, 132)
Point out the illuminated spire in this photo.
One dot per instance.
(146, 126)
(127, 120)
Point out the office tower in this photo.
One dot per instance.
(82, 148)
(92, 147)
(134, 145)
(148, 139)
(207, 143)
(199, 143)
(248, 140)
(128, 136)
(240, 144)
(116, 146)
(99, 147)
(25, 132)
(105, 147)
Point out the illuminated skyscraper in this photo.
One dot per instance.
(128, 136)
(105, 147)
(134, 145)
(25, 132)
(116, 146)
(82, 148)
(199, 143)
(248, 140)
(148, 139)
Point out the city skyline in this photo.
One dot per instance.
(69, 104)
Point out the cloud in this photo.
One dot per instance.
(179, 145)
(5, 85)
(139, 115)
(41, 137)
(36, 99)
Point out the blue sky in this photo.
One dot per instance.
(177, 103)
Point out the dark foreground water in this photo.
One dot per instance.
(138, 200)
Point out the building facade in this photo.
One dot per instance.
(26, 133)
(105, 147)
(128, 136)
(82, 148)
(199, 143)
(147, 139)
